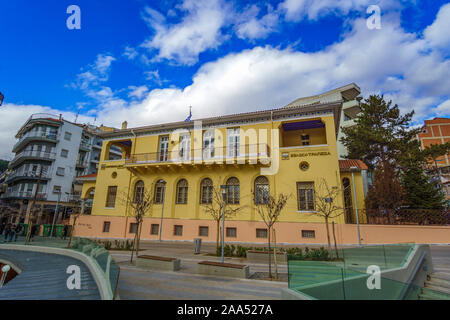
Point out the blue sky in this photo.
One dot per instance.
(147, 61)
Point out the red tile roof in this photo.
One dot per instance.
(346, 164)
(93, 175)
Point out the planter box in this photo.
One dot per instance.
(223, 269)
(158, 263)
(262, 257)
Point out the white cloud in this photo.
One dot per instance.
(249, 26)
(199, 30)
(96, 73)
(130, 53)
(296, 10)
(439, 32)
(389, 61)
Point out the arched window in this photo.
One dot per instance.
(261, 190)
(206, 191)
(347, 200)
(182, 191)
(160, 189)
(233, 191)
(138, 191)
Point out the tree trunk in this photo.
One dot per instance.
(328, 237)
(270, 262)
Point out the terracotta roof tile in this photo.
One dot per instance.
(346, 164)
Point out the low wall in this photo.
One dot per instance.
(286, 232)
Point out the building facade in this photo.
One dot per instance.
(291, 150)
(437, 131)
(49, 153)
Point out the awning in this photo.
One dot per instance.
(302, 125)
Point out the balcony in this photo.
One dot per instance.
(81, 163)
(45, 137)
(29, 175)
(23, 195)
(85, 146)
(252, 153)
(33, 155)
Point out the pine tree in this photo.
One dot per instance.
(381, 133)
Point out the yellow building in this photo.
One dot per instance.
(291, 151)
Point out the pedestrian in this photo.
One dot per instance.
(2, 227)
(7, 231)
(12, 233)
(65, 231)
(18, 231)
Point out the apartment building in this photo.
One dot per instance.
(49, 153)
(291, 150)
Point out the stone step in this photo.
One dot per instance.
(441, 275)
(437, 288)
(439, 282)
(432, 295)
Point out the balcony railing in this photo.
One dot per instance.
(52, 137)
(24, 195)
(28, 174)
(208, 155)
(34, 154)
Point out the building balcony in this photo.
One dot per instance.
(253, 153)
(43, 137)
(30, 175)
(81, 164)
(32, 155)
(23, 195)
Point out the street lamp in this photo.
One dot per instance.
(162, 209)
(352, 170)
(223, 188)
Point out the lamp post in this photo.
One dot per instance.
(55, 213)
(352, 170)
(223, 188)
(162, 209)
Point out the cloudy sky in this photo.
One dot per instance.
(147, 61)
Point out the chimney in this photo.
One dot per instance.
(124, 125)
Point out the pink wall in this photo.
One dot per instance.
(92, 226)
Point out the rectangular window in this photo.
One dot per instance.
(305, 139)
(308, 234)
(64, 153)
(111, 197)
(203, 231)
(133, 227)
(67, 136)
(261, 233)
(305, 196)
(106, 226)
(56, 189)
(154, 230)
(60, 171)
(177, 230)
(231, 232)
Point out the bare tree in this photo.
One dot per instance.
(141, 202)
(326, 205)
(269, 208)
(214, 207)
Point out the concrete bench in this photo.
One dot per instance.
(255, 256)
(223, 269)
(158, 263)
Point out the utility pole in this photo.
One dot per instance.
(30, 218)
